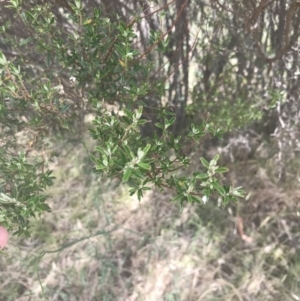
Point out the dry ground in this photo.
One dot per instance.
(99, 244)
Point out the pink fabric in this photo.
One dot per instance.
(3, 237)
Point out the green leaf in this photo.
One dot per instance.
(220, 189)
(177, 198)
(140, 194)
(222, 169)
(238, 192)
(126, 149)
(146, 149)
(65, 108)
(132, 191)
(88, 21)
(29, 14)
(170, 122)
(105, 160)
(204, 162)
(3, 60)
(78, 4)
(196, 199)
(216, 157)
(145, 166)
(126, 174)
(25, 41)
(202, 176)
(15, 3)
(159, 125)
(5, 199)
(139, 112)
(140, 154)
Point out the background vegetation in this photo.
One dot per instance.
(231, 63)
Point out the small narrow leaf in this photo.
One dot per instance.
(146, 149)
(126, 174)
(204, 162)
(3, 60)
(216, 157)
(222, 169)
(159, 125)
(220, 189)
(140, 154)
(196, 199)
(140, 194)
(65, 108)
(25, 41)
(145, 166)
(177, 198)
(202, 176)
(105, 161)
(87, 21)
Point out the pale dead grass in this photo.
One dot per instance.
(100, 244)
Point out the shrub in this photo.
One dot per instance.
(80, 68)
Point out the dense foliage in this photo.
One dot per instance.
(104, 66)
(156, 76)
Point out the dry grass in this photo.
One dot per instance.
(100, 244)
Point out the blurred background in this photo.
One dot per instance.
(234, 63)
